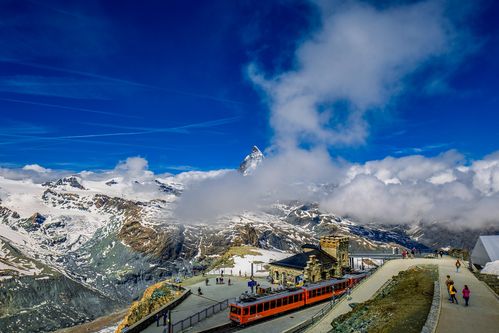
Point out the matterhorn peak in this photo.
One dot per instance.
(251, 162)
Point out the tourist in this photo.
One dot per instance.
(458, 265)
(441, 253)
(199, 291)
(239, 272)
(157, 319)
(413, 252)
(452, 292)
(466, 294)
(448, 282)
(229, 282)
(206, 281)
(217, 280)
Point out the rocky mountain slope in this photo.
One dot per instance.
(85, 244)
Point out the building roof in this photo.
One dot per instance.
(486, 250)
(299, 261)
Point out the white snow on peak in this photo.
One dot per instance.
(251, 162)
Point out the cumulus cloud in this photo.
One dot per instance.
(134, 167)
(33, 172)
(355, 63)
(420, 189)
(36, 167)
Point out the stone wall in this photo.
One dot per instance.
(432, 319)
(289, 275)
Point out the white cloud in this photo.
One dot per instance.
(356, 62)
(36, 168)
(134, 168)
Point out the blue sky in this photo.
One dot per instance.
(86, 84)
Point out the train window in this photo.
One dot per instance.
(300, 297)
(319, 291)
(279, 302)
(329, 289)
(235, 310)
(266, 306)
(314, 293)
(253, 309)
(285, 301)
(272, 304)
(296, 298)
(309, 294)
(245, 311)
(259, 307)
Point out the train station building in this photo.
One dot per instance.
(315, 263)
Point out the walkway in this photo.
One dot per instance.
(481, 316)
(212, 294)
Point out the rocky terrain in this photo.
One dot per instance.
(83, 245)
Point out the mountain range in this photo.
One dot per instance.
(84, 245)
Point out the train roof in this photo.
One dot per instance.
(352, 276)
(323, 284)
(269, 297)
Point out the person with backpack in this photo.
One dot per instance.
(458, 265)
(448, 282)
(452, 292)
(466, 294)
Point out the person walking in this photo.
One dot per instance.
(452, 292)
(206, 281)
(448, 282)
(466, 294)
(441, 254)
(458, 265)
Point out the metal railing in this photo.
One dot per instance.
(201, 315)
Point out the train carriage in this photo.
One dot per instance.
(257, 308)
(266, 306)
(321, 291)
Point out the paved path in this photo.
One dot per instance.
(212, 294)
(482, 316)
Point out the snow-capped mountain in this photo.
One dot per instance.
(86, 244)
(251, 162)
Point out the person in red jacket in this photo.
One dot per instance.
(466, 294)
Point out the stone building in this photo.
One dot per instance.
(315, 263)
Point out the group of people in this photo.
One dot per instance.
(218, 280)
(452, 290)
(411, 254)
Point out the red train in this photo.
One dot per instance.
(257, 308)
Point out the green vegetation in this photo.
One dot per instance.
(402, 306)
(227, 259)
(491, 280)
(154, 298)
